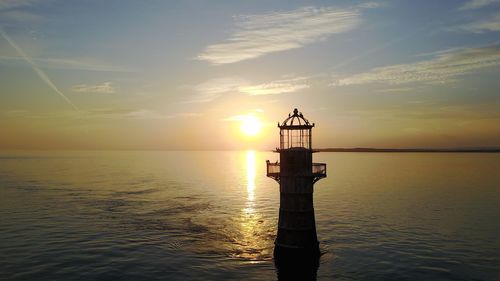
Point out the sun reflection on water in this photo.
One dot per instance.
(253, 242)
(250, 177)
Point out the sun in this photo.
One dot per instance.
(250, 126)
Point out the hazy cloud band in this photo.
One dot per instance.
(257, 35)
(445, 67)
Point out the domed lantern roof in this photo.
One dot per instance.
(295, 132)
(295, 121)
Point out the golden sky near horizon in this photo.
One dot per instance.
(193, 75)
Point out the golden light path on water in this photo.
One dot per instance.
(250, 177)
(252, 226)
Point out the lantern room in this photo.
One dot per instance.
(295, 132)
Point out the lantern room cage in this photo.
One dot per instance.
(295, 150)
(295, 132)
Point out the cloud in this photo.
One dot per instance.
(481, 26)
(394, 90)
(80, 64)
(257, 35)
(149, 114)
(136, 114)
(214, 88)
(476, 4)
(104, 88)
(11, 11)
(276, 87)
(445, 67)
(11, 4)
(102, 113)
(74, 64)
(369, 5)
(19, 16)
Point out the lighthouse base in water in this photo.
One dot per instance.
(296, 264)
(284, 253)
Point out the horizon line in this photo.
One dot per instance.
(327, 149)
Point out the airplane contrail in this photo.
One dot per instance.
(38, 71)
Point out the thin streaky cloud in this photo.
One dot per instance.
(101, 113)
(214, 88)
(481, 26)
(476, 4)
(371, 51)
(81, 64)
(394, 90)
(258, 35)
(369, 5)
(73, 64)
(12, 12)
(376, 49)
(16, 16)
(140, 114)
(444, 68)
(276, 87)
(10, 4)
(149, 114)
(43, 76)
(103, 88)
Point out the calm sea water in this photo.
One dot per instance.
(213, 216)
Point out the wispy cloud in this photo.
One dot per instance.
(394, 90)
(445, 67)
(14, 12)
(37, 70)
(74, 64)
(476, 4)
(103, 113)
(103, 88)
(257, 35)
(148, 114)
(10, 4)
(369, 5)
(276, 87)
(214, 88)
(17, 16)
(136, 114)
(481, 26)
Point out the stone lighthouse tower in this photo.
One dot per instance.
(296, 175)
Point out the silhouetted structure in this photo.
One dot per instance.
(296, 174)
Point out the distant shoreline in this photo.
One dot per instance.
(400, 150)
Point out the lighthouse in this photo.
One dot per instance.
(296, 174)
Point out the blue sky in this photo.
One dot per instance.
(181, 74)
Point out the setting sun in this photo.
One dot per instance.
(250, 125)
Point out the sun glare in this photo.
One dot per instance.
(250, 126)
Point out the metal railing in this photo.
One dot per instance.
(318, 169)
(273, 168)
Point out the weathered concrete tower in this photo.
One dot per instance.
(296, 174)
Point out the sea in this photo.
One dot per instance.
(212, 215)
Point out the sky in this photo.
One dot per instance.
(106, 74)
